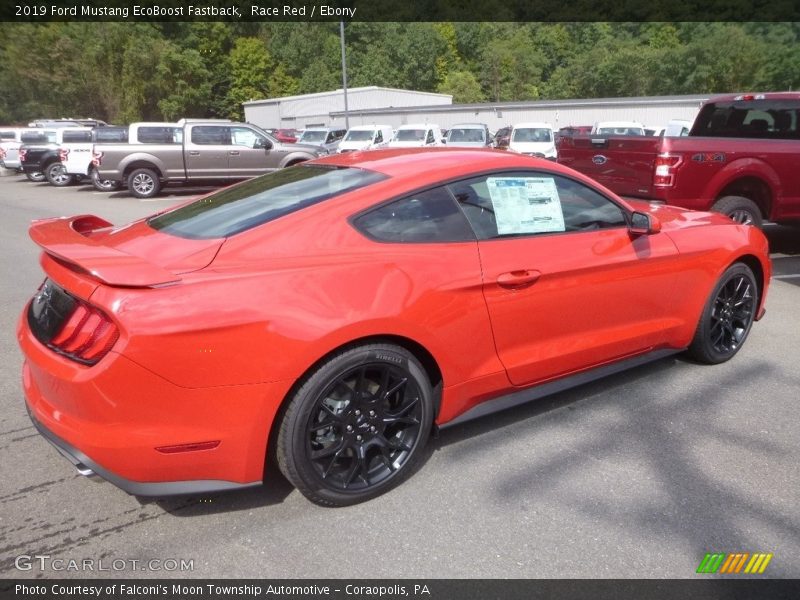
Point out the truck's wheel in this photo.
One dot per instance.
(144, 183)
(57, 175)
(741, 210)
(36, 176)
(104, 185)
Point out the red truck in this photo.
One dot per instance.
(741, 158)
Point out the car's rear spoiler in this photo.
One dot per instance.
(66, 238)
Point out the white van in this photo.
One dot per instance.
(618, 128)
(533, 139)
(366, 137)
(10, 141)
(417, 136)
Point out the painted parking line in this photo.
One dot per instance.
(794, 276)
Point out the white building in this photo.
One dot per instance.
(327, 108)
(648, 110)
(378, 105)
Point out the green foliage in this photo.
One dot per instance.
(122, 72)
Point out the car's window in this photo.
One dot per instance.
(244, 136)
(260, 200)
(76, 136)
(410, 135)
(777, 119)
(532, 203)
(532, 134)
(429, 216)
(151, 134)
(358, 135)
(314, 137)
(211, 135)
(110, 134)
(7, 135)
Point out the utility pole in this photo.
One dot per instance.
(344, 76)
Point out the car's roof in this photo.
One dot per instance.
(418, 126)
(368, 127)
(532, 125)
(431, 163)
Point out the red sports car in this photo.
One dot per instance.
(331, 314)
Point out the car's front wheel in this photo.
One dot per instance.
(727, 316)
(357, 425)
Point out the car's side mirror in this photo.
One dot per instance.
(262, 143)
(644, 224)
(444, 141)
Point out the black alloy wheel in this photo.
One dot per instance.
(727, 317)
(357, 426)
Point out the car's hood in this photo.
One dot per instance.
(528, 147)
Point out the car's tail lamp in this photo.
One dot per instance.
(666, 166)
(97, 158)
(22, 153)
(2, 154)
(63, 153)
(86, 336)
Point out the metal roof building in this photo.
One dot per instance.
(389, 106)
(327, 108)
(648, 110)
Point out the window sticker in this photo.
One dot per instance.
(525, 205)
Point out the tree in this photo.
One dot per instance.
(463, 86)
(250, 68)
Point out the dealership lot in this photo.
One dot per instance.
(638, 475)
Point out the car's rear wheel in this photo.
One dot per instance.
(144, 183)
(727, 316)
(57, 175)
(35, 176)
(104, 185)
(357, 425)
(740, 209)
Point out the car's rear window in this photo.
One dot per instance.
(770, 119)
(260, 200)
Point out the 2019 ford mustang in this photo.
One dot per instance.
(331, 314)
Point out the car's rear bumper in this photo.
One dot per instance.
(143, 433)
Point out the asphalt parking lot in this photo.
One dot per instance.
(638, 475)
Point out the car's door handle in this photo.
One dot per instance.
(194, 153)
(234, 153)
(518, 279)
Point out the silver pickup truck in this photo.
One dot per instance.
(196, 152)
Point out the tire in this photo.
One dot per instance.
(57, 175)
(727, 316)
(741, 210)
(144, 183)
(104, 185)
(357, 425)
(36, 176)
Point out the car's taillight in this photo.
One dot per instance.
(2, 154)
(87, 335)
(666, 165)
(63, 153)
(97, 158)
(22, 153)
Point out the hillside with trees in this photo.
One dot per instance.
(124, 72)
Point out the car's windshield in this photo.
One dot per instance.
(466, 135)
(313, 136)
(260, 200)
(532, 134)
(620, 131)
(410, 135)
(359, 135)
